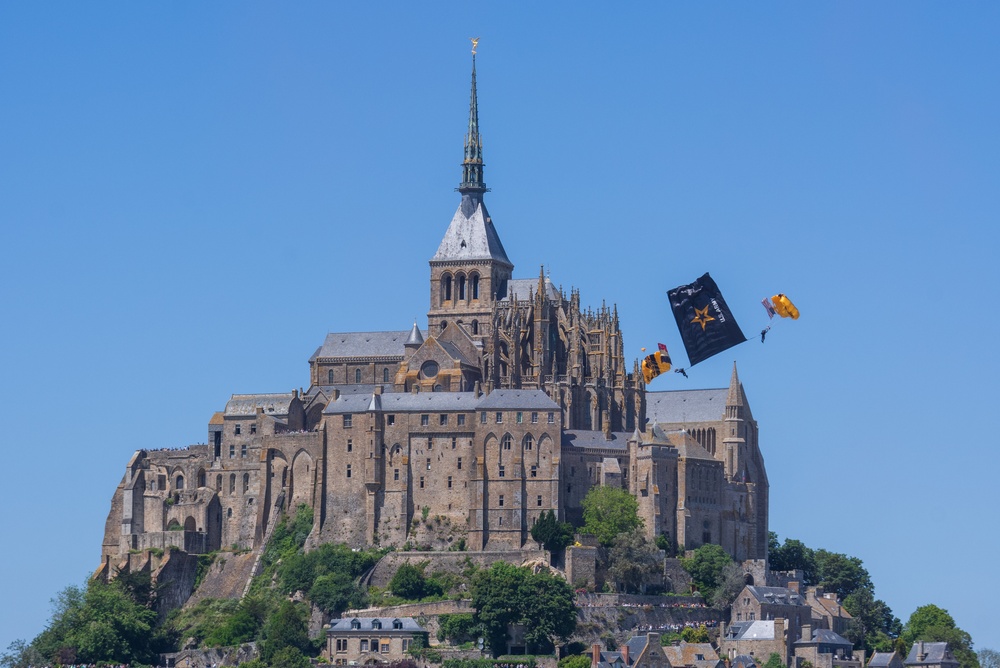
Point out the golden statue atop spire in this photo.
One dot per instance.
(475, 44)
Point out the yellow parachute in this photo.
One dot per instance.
(655, 364)
(784, 307)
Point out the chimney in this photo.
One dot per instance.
(625, 653)
(807, 632)
(595, 655)
(653, 639)
(334, 395)
(478, 389)
(379, 389)
(415, 389)
(921, 655)
(794, 586)
(606, 419)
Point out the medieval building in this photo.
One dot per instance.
(514, 400)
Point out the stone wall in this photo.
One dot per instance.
(453, 562)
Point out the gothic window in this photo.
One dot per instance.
(461, 287)
(475, 326)
(201, 478)
(246, 482)
(446, 287)
(357, 375)
(507, 440)
(180, 482)
(528, 442)
(329, 377)
(232, 483)
(385, 375)
(229, 513)
(474, 280)
(218, 483)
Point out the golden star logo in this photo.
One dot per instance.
(702, 317)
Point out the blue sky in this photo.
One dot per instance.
(192, 195)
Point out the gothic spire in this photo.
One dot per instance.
(472, 165)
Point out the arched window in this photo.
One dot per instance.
(201, 477)
(246, 482)
(357, 375)
(180, 482)
(232, 483)
(446, 287)
(528, 442)
(444, 323)
(385, 375)
(229, 513)
(507, 441)
(218, 483)
(474, 279)
(475, 326)
(461, 287)
(329, 377)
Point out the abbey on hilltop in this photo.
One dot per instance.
(515, 400)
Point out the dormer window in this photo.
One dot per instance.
(355, 624)
(396, 624)
(376, 624)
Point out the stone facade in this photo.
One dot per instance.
(515, 400)
(358, 641)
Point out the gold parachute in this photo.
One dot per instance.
(655, 364)
(784, 307)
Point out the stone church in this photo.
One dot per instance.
(515, 400)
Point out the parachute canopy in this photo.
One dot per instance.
(655, 364)
(784, 307)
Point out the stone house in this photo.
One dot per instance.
(771, 603)
(642, 651)
(827, 612)
(823, 648)
(758, 639)
(885, 660)
(693, 655)
(361, 641)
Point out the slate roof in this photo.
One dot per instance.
(247, 404)
(579, 438)
(686, 406)
(757, 630)
(341, 625)
(826, 637)
(513, 399)
(363, 344)
(743, 661)
(471, 236)
(523, 288)
(880, 659)
(405, 402)
(777, 595)
(937, 652)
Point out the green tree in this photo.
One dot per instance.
(632, 561)
(774, 661)
(841, 574)
(705, 567)
(792, 555)
(409, 583)
(505, 594)
(873, 626)
(243, 626)
(457, 628)
(730, 583)
(335, 592)
(285, 627)
(933, 624)
(575, 661)
(695, 634)
(551, 533)
(608, 512)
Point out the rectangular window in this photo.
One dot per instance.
(534, 418)
(364, 644)
(552, 418)
(482, 417)
(253, 429)
(237, 430)
(534, 471)
(454, 442)
(500, 521)
(232, 451)
(350, 445)
(449, 482)
(390, 420)
(421, 482)
(520, 417)
(385, 648)
(443, 419)
(395, 474)
(406, 644)
(501, 473)
(425, 420)
(459, 463)
(243, 451)
(347, 421)
(428, 463)
(461, 420)
(430, 442)
(348, 470)
(500, 501)
(499, 418)
(539, 499)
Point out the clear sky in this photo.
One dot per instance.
(193, 194)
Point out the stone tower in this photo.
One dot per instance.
(470, 269)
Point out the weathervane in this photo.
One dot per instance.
(475, 44)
